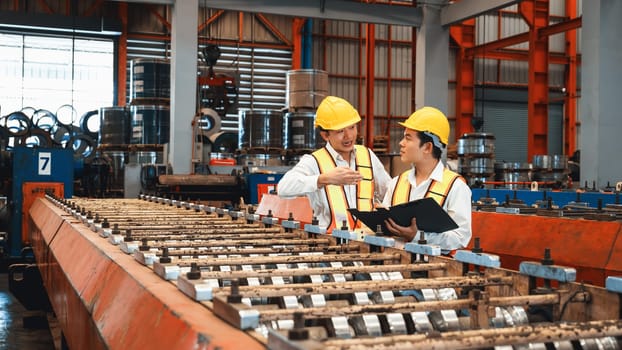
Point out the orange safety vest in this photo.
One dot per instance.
(336, 195)
(437, 190)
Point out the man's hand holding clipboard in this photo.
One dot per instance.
(425, 214)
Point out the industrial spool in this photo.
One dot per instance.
(150, 80)
(116, 161)
(261, 131)
(114, 126)
(476, 157)
(513, 175)
(551, 171)
(305, 89)
(301, 136)
(150, 124)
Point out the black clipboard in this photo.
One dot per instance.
(430, 216)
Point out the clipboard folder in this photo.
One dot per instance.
(430, 216)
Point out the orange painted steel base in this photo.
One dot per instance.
(104, 299)
(32, 191)
(594, 248)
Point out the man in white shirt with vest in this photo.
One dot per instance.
(341, 175)
(425, 136)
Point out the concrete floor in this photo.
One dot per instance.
(12, 333)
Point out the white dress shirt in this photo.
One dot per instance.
(457, 204)
(302, 180)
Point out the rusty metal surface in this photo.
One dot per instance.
(295, 289)
(104, 299)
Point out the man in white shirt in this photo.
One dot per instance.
(426, 134)
(341, 175)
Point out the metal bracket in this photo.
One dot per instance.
(614, 284)
(380, 241)
(425, 249)
(270, 220)
(344, 234)
(315, 229)
(291, 224)
(253, 217)
(551, 272)
(480, 259)
(505, 210)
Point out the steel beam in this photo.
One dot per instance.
(121, 58)
(463, 10)
(570, 103)
(334, 9)
(464, 36)
(536, 14)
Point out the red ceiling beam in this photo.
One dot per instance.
(210, 20)
(487, 48)
(273, 29)
(561, 27)
(160, 18)
(523, 55)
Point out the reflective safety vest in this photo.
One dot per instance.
(336, 195)
(437, 190)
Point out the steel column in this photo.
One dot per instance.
(570, 102)
(297, 27)
(536, 14)
(184, 52)
(464, 36)
(369, 85)
(122, 56)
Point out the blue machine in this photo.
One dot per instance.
(260, 184)
(37, 165)
(560, 198)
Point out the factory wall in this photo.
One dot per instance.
(338, 47)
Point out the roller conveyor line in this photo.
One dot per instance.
(296, 289)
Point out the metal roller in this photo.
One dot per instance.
(307, 290)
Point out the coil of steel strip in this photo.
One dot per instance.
(83, 147)
(43, 119)
(84, 124)
(18, 124)
(35, 138)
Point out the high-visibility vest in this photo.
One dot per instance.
(437, 189)
(336, 195)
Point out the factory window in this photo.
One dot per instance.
(45, 72)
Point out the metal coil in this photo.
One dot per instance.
(84, 124)
(44, 119)
(18, 124)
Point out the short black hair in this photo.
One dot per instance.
(424, 138)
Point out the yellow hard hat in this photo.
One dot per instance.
(335, 113)
(429, 120)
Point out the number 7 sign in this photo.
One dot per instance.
(45, 163)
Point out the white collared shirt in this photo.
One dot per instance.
(457, 205)
(302, 180)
